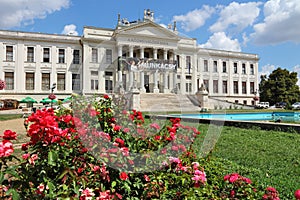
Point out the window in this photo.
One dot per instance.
(61, 56)
(215, 86)
(244, 87)
(29, 84)
(61, 81)
(206, 65)
(9, 53)
(245, 102)
(108, 56)
(252, 87)
(108, 86)
(235, 87)
(75, 81)
(235, 68)
(225, 87)
(76, 56)
(9, 80)
(30, 54)
(188, 87)
(94, 55)
(251, 69)
(215, 66)
(188, 63)
(46, 55)
(236, 101)
(206, 84)
(94, 80)
(178, 61)
(45, 81)
(224, 67)
(243, 68)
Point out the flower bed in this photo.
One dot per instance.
(99, 151)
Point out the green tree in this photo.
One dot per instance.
(280, 86)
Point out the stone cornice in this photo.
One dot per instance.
(39, 37)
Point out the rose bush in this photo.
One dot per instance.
(98, 150)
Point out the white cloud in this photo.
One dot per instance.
(267, 70)
(221, 41)
(14, 13)
(70, 30)
(297, 69)
(237, 16)
(281, 23)
(194, 19)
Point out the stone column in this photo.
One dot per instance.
(142, 88)
(155, 89)
(154, 53)
(131, 51)
(175, 82)
(135, 98)
(165, 54)
(131, 79)
(120, 81)
(166, 88)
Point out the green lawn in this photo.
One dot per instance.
(4, 117)
(270, 157)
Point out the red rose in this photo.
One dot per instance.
(123, 176)
(9, 135)
(297, 194)
(105, 96)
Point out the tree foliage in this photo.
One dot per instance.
(280, 86)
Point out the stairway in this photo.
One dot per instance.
(151, 102)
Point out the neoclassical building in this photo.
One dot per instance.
(139, 54)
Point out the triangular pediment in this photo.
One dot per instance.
(147, 29)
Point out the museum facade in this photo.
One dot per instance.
(140, 54)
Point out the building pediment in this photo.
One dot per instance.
(147, 29)
(146, 34)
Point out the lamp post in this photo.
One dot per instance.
(52, 96)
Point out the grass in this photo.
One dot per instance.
(4, 117)
(269, 157)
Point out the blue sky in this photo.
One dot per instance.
(268, 28)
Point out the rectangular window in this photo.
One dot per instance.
(206, 84)
(224, 67)
(235, 87)
(30, 54)
(215, 66)
(9, 80)
(215, 86)
(188, 87)
(225, 87)
(251, 69)
(252, 87)
(108, 86)
(46, 55)
(29, 85)
(244, 87)
(245, 102)
(46, 81)
(243, 68)
(75, 81)
(108, 56)
(178, 61)
(61, 81)
(9, 53)
(206, 65)
(76, 56)
(188, 63)
(61, 56)
(94, 55)
(235, 68)
(94, 80)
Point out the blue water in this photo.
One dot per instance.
(263, 116)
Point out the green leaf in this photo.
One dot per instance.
(14, 194)
(113, 184)
(52, 157)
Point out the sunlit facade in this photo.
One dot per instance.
(139, 54)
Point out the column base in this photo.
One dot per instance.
(166, 90)
(155, 90)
